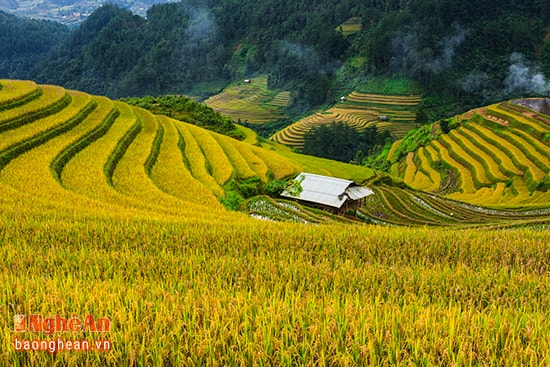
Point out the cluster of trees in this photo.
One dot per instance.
(460, 49)
(465, 50)
(118, 54)
(24, 43)
(198, 46)
(341, 142)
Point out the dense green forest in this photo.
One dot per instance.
(460, 53)
(341, 142)
(26, 42)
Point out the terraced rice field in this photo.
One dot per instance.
(414, 208)
(500, 155)
(351, 26)
(109, 211)
(107, 154)
(250, 102)
(360, 110)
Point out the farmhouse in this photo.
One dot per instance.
(333, 194)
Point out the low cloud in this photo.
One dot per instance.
(409, 56)
(524, 77)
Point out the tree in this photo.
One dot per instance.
(341, 142)
(444, 125)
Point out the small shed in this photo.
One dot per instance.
(343, 99)
(383, 118)
(247, 81)
(329, 193)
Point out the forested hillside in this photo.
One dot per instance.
(26, 42)
(465, 53)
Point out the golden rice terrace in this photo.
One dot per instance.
(358, 110)
(251, 101)
(498, 156)
(110, 211)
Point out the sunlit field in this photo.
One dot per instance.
(109, 211)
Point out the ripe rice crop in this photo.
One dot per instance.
(513, 151)
(540, 159)
(52, 100)
(85, 173)
(410, 171)
(17, 92)
(505, 161)
(197, 161)
(280, 294)
(433, 175)
(467, 183)
(222, 170)
(130, 177)
(393, 149)
(238, 162)
(79, 101)
(186, 282)
(30, 171)
(259, 167)
(459, 154)
(358, 111)
(279, 166)
(250, 102)
(172, 175)
(488, 162)
(519, 120)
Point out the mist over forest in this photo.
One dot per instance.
(458, 54)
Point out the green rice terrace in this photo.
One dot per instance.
(358, 110)
(251, 101)
(351, 26)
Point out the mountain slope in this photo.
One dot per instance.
(74, 151)
(474, 55)
(498, 155)
(25, 43)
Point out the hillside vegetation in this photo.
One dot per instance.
(106, 209)
(460, 54)
(25, 43)
(187, 110)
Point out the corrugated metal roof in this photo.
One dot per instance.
(326, 190)
(358, 192)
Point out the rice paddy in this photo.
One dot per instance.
(108, 210)
(351, 26)
(360, 110)
(499, 156)
(251, 101)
